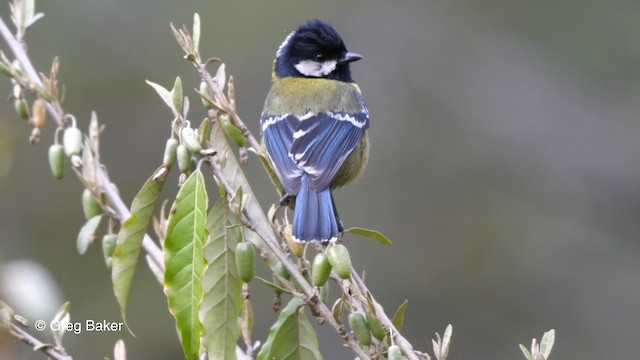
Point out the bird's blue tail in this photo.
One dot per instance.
(314, 217)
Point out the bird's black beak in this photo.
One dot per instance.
(349, 57)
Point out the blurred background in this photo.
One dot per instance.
(505, 164)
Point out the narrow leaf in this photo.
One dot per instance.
(86, 233)
(398, 317)
(164, 94)
(184, 261)
(376, 235)
(125, 256)
(176, 96)
(526, 352)
(291, 337)
(546, 343)
(222, 286)
(196, 32)
(61, 318)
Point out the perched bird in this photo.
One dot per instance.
(314, 125)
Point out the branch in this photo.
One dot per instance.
(36, 344)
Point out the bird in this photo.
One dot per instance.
(314, 127)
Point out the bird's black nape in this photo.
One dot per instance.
(316, 41)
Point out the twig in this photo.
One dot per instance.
(36, 344)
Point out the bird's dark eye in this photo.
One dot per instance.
(319, 57)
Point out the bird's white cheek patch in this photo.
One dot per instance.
(316, 69)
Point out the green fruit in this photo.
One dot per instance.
(376, 329)
(340, 259)
(190, 139)
(170, 152)
(109, 242)
(90, 205)
(320, 270)
(233, 132)
(394, 353)
(358, 325)
(22, 108)
(245, 260)
(72, 141)
(184, 158)
(56, 160)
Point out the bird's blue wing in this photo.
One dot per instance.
(323, 141)
(278, 135)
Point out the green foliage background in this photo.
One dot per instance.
(504, 164)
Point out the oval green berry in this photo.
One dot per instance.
(190, 139)
(245, 260)
(320, 270)
(376, 329)
(170, 152)
(184, 158)
(109, 242)
(56, 160)
(233, 132)
(72, 141)
(22, 109)
(340, 259)
(90, 205)
(358, 325)
(394, 353)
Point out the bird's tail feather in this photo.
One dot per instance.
(314, 217)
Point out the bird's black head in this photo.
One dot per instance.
(315, 49)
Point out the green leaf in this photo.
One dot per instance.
(164, 94)
(176, 95)
(125, 256)
(546, 343)
(398, 317)
(85, 236)
(291, 337)
(222, 301)
(526, 352)
(376, 235)
(184, 260)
